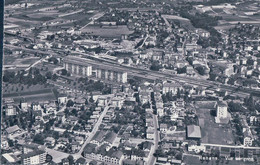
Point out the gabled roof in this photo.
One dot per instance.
(117, 154)
(90, 148)
(12, 129)
(99, 136)
(110, 137)
(193, 131)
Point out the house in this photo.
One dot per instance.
(137, 154)
(248, 140)
(89, 150)
(98, 138)
(110, 138)
(63, 140)
(50, 141)
(61, 116)
(24, 106)
(62, 99)
(114, 157)
(174, 115)
(132, 162)
(193, 147)
(72, 120)
(79, 102)
(117, 102)
(157, 55)
(10, 110)
(13, 130)
(9, 158)
(4, 144)
(159, 108)
(150, 133)
(50, 108)
(79, 139)
(36, 106)
(102, 101)
(193, 132)
(144, 99)
(171, 88)
(146, 146)
(163, 128)
(75, 146)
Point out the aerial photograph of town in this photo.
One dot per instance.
(131, 82)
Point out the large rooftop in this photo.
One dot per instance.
(95, 64)
(193, 131)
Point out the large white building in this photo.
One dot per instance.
(10, 110)
(35, 157)
(171, 88)
(222, 110)
(222, 114)
(78, 66)
(85, 67)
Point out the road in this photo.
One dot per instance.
(167, 23)
(95, 17)
(37, 62)
(231, 146)
(144, 41)
(92, 133)
(152, 159)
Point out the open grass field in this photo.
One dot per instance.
(211, 132)
(31, 94)
(9, 59)
(13, 60)
(107, 31)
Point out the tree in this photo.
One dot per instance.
(74, 112)
(54, 77)
(181, 70)
(48, 75)
(64, 72)
(155, 66)
(70, 103)
(201, 70)
(48, 158)
(71, 159)
(39, 139)
(86, 102)
(235, 107)
(53, 60)
(10, 143)
(91, 100)
(56, 135)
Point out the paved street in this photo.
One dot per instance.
(152, 159)
(92, 133)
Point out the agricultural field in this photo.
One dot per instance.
(20, 61)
